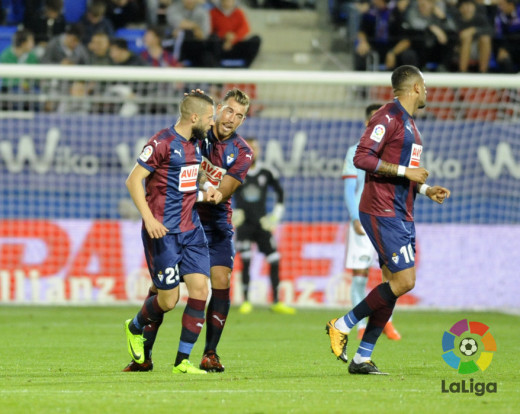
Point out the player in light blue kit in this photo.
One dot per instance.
(360, 252)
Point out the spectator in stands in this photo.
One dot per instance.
(45, 23)
(121, 55)
(156, 10)
(507, 36)
(123, 12)
(98, 48)
(431, 34)
(380, 38)
(20, 51)
(95, 20)
(155, 54)
(190, 24)
(75, 103)
(67, 49)
(229, 24)
(475, 35)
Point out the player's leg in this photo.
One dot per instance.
(149, 335)
(192, 322)
(244, 247)
(394, 236)
(222, 254)
(194, 267)
(162, 256)
(267, 246)
(359, 257)
(389, 329)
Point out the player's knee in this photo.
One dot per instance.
(273, 258)
(168, 303)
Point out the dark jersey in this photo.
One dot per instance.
(171, 188)
(391, 136)
(251, 196)
(233, 157)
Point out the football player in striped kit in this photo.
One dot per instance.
(226, 158)
(390, 153)
(175, 245)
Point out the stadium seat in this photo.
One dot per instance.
(6, 35)
(74, 10)
(134, 37)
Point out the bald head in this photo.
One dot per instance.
(194, 103)
(404, 77)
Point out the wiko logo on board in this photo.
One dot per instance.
(468, 347)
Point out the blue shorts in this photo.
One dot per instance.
(221, 247)
(393, 239)
(175, 255)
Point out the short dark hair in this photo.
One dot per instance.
(371, 108)
(75, 30)
(21, 36)
(402, 75)
(120, 43)
(54, 5)
(157, 30)
(192, 103)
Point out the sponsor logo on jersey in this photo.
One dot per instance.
(415, 157)
(146, 154)
(188, 178)
(214, 174)
(378, 133)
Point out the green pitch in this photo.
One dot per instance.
(69, 360)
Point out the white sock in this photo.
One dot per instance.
(341, 325)
(358, 359)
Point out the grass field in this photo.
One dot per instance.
(69, 360)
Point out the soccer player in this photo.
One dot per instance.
(360, 252)
(254, 226)
(176, 248)
(390, 153)
(226, 159)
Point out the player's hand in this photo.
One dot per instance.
(193, 91)
(155, 228)
(438, 193)
(358, 228)
(238, 217)
(213, 196)
(419, 175)
(268, 222)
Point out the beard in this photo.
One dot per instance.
(198, 133)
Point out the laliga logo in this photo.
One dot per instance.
(468, 348)
(465, 337)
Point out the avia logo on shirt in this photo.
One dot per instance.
(188, 178)
(415, 158)
(214, 174)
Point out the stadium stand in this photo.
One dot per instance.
(6, 34)
(74, 10)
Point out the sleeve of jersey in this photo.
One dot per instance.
(368, 152)
(350, 198)
(151, 156)
(274, 183)
(244, 160)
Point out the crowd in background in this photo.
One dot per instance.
(196, 33)
(436, 35)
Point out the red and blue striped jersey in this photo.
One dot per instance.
(171, 188)
(233, 157)
(390, 136)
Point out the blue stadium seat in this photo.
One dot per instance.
(74, 10)
(134, 37)
(6, 35)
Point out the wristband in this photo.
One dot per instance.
(401, 170)
(200, 196)
(207, 185)
(424, 188)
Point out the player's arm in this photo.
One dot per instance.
(228, 186)
(352, 205)
(419, 175)
(270, 221)
(208, 194)
(134, 183)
